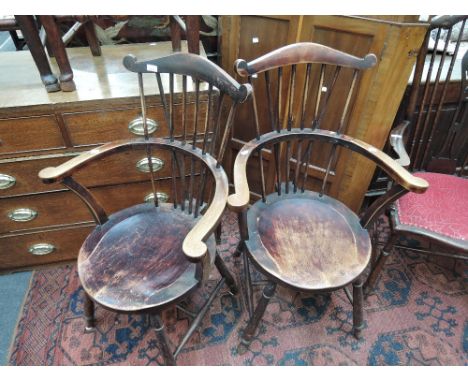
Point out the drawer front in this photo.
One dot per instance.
(21, 176)
(29, 134)
(108, 125)
(64, 207)
(42, 247)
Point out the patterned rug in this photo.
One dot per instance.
(417, 315)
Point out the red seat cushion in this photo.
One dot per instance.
(443, 208)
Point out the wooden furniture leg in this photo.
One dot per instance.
(249, 331)
(55, 39)
(175, 34)
(158, 326)
(358, 321)
(92, 38)
(226, 274)
(193, 33)
(31, 36)
(89, 314)
(370, 282)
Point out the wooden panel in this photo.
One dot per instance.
(119, 169)
(107, 125)
(67, 242)
(378, 93)
(29, 134)
(64, 207)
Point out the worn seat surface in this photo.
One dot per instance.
(307, 241)
(442, 209)
(135, 260)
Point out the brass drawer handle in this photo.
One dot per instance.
(41, 249)
(143, 164)
(6, 181)
(136, 126)
(22, 215)
(162, 197)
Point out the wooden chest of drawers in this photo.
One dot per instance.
(39, 223)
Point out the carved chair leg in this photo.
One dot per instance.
(249, 331)
(358, 311)
(158, 325)
(377, 268)
(89, 314)
(222, 269)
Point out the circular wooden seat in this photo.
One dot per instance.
(307, 241)
(135, 261)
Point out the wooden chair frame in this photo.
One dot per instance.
(304, 53)
(417, 133)
(190, 201)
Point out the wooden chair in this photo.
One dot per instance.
(299, 237)
(437, 152)
(149, 256)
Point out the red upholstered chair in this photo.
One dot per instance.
(439, 216)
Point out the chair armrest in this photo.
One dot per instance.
(240, 199)
(398, 144)
(54, 174)
(194, 246)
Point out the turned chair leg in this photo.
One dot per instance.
(249, 331)
(377, 268)
(58, 47)
(222, 269)
(89, 314)
(358, 311)
(158, 326)
(31, 37)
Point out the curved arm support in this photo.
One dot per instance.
(240, 199)
(193, 246)
(398, 144)
(303, 52)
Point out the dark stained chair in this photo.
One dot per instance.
(436, 151)
(149, 256)
(295, 234)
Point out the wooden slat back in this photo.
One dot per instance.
(293, 104)
(431, 146)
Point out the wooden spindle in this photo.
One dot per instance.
(278, 99)
(174, 177)
(306, 160)
(348, 99)
(171, 106)
(417, 128)
(191, 185)
(227, 131)
(305, 93)
(217, 125)
(207, 118)
(195, 121)
(254, 110)
(329, 92)
(184, 109)
(262, 175)
(291, 97)
(288, 164)
(145, 129)
(319, 94)
(269, 101)
(442, 98)
(435, 85)
(167, 114)
(298, 164)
